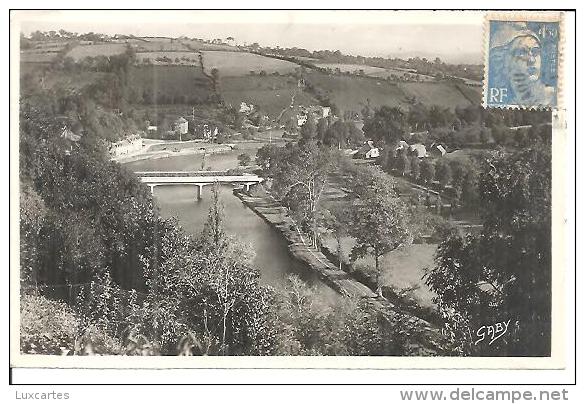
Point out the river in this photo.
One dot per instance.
(272, 257)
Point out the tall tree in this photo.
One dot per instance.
(504, 273)
(388, 124)
(300, 178)
(427, 171)
(379, 220)
(308, 130)
(443, 170)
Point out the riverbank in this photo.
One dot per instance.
(429, 336)
(203, 148)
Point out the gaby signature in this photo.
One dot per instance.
(492, 331)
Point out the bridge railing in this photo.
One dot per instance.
(182, 173)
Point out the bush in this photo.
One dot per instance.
(46, 326)
(244, 159)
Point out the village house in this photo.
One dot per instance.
(301, 120)
(436, 150)
(130, 145)
(419, 150)
(367, 151)
(152, 129)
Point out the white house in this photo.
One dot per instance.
(419, 149)
(301, 120)
(368, 151)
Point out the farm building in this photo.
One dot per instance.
(419, 150)
(367, 151)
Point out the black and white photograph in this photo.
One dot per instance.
(313, 184)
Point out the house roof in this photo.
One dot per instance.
(402, 145)
(369, 145)
(181, 120)
(441, 149)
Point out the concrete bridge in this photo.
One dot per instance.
(196, 178)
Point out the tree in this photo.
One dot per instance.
(403, 163)
(337, 134)
(427, 171)
(443, 172)
(213, 230)
(335, 221)
(267, 158)
(414, 167)
(301, 174)
(379, 219)
(504, 272)
(322, 126)
(308, 130)
(244, 159)
(418, 116)
(215, 79)
(469, 187)
(502, 135)
(388, 124)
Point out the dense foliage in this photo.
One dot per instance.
(504, 273)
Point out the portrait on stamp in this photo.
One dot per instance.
(523, 62)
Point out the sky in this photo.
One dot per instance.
(455, 37)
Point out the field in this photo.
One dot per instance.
(170, 84)
(473, 94)
(351, 93)
(373, 71)
(444, 94)
(401, 269)
(38, 56)
(350, 68)
(232, 64)
(33, 76)
(196, 45)
(159, 44)
(185, 58)
(401, 74)
(108, 49)
(271, 93)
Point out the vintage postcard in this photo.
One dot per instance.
(288, 189)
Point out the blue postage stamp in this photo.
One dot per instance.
(523, 63)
